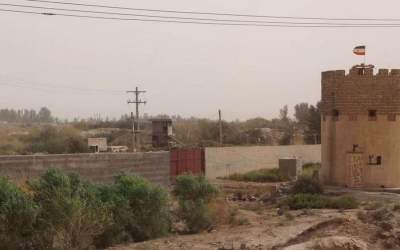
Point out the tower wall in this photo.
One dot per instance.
(361, 118)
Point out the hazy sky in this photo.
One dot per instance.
(191, 70)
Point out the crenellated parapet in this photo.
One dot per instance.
(361, 72)
(361, 89)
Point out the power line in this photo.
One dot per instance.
(135, 127)
(214, 13)
(50, 88)
(204, 23)
(191, 18)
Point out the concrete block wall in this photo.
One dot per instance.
(100, 168)
(223, 161)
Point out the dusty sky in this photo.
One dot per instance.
(191, 70)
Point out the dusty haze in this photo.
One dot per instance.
(191, 70)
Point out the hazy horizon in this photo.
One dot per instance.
(186, 69)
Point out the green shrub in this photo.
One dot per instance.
(71, 214)
(344, 202)
(261, 175)
(300, 201)
(194, 194)
(139, 210)
(196, 215)
(306, 185)
(309, 168)
(316, 201)
(17, 217)
(191, 187)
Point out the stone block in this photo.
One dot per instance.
(290, 168)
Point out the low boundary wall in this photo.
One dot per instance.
(223, 161)
(101, 168)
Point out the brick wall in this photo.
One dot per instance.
(100, 168)
(355, 94)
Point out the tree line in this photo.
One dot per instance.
(195, 131)
(281, 130)
(26, 115)
(67, 137)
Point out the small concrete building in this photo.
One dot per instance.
(361, 127)
(97, 145)
(161, 132)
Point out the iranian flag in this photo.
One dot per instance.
(359, 50)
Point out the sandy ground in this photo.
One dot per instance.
(265, 229)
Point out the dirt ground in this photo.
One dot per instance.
(257, 225)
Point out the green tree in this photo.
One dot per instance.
(71, 213)
(308, 118)
(286, 125)
(17, 217)
(44, 115)
(302, 114)
(313, 132)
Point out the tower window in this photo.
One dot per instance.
(372, 115)
(335, 115)
(379, 160)
(374, 160)
(361, 71)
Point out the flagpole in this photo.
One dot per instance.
(365, 56)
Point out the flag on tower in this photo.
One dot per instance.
(359, 50)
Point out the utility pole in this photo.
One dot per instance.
(135, 125)
(221, 141)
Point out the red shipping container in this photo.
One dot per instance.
(184, 161)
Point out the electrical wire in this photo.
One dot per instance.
(204, 23)
(193, 18)
(214, 13)
(52, 89)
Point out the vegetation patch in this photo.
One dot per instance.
(139, 210)
(70, 214)
(194, 194)
(261, 175)
(307, 185)
(62, 211)
(18, 214)
(316, 201)
(309, 168)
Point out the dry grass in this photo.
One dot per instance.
(220, 211)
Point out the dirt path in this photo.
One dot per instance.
(265, 229)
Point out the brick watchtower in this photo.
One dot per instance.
(361, 127)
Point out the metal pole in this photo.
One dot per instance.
(221, 142)
(135, 127)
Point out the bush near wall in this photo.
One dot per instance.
(62, 211)
(139, 210)
(70, 214)
(18, 215)
(261, 175)
(194, 194)
(307, 193)
(307, 185)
